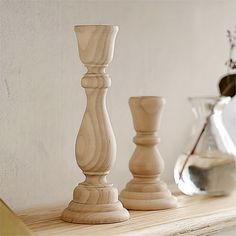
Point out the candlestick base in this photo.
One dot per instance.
(95, 205)
(147, 195)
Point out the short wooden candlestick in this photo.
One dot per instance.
(146, 191)
(95, 201)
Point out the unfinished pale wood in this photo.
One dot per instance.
(95, 201)
(194, 216)
(146, 191)
(10, 224)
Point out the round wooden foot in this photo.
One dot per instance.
(95, 205)
(147, 196)
(145, 204)
(95, 214)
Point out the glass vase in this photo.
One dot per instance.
(208, 164)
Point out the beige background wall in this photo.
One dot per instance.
(169, 48)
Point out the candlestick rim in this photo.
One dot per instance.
(146, 98)
(138, 97)
(103, 25)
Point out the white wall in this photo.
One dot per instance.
(169, 48)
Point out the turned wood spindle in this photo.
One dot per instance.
(95, 200)
(146, 191)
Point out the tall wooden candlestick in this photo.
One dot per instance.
(95, 201)
(146, 191)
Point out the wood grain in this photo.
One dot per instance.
(146, 191)
(95, 201)
(194, 216)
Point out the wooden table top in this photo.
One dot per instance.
(194, 216)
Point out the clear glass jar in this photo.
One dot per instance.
(208, 165)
